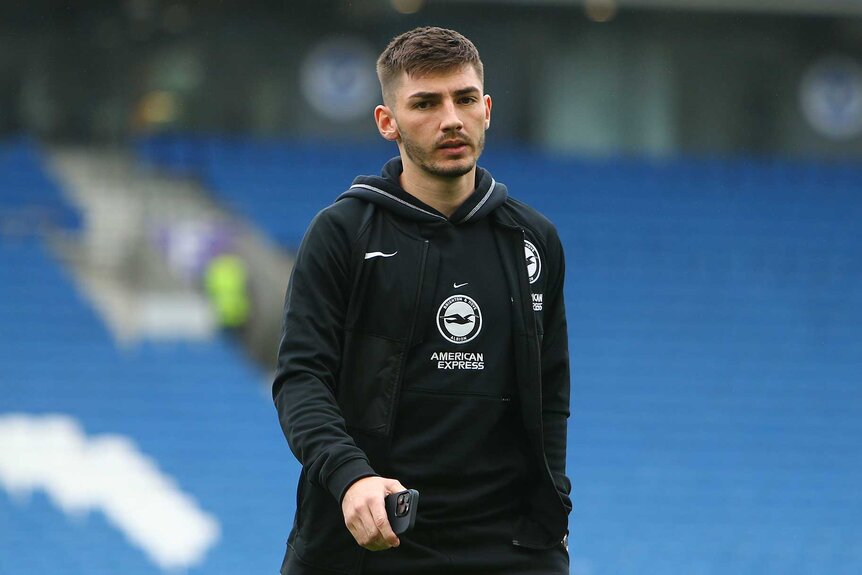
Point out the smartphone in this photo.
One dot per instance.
(401, 510)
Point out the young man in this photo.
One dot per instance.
(425, 346)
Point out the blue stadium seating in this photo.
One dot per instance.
(30, 199)
(278, 185)
(714, 309)
(197, 409)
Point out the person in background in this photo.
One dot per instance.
(226, 282)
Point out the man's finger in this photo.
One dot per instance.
(359, 528)
(381, 522)
(394, 486)
(372, 537)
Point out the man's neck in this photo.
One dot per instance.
(443, 194)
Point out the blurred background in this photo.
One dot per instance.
(702, 159)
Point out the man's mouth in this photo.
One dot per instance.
(454, 146)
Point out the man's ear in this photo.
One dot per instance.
(487, 99)
(386, 123)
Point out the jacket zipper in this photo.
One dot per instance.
(397, 393)
(528, 316)
(526, 302)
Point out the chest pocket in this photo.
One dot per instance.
(388, 273)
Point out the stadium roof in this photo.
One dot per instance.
(812, 7)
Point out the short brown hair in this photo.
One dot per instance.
(425, 50)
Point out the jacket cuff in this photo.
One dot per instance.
(346, 475)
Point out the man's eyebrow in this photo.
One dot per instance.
(467, 90)
(429, 95)
(424, 95)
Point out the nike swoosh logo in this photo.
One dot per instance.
(369, 255)
(456, 286)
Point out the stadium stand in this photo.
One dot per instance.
(195, 411)
(29, 198)
(714, 309)
(275, 184)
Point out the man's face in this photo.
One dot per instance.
(439, 121)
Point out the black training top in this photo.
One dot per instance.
(458, 435)
(362, 301)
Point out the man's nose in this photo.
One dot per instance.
(450, 120)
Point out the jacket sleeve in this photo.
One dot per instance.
(309, 356)
(555, 370)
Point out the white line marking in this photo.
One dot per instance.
(80, 473)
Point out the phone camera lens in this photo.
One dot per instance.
(402, 505)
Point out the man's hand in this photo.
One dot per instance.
(365, 512)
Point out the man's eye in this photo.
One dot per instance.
(423, 105)
(468, 100)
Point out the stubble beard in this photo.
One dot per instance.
(422, 158)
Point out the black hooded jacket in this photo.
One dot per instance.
(360, 280)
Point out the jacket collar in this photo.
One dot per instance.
(386, 191)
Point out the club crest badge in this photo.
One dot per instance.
(534, 261)
(459, 319)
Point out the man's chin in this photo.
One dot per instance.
(452, 169)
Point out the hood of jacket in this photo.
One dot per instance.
(385, 191)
